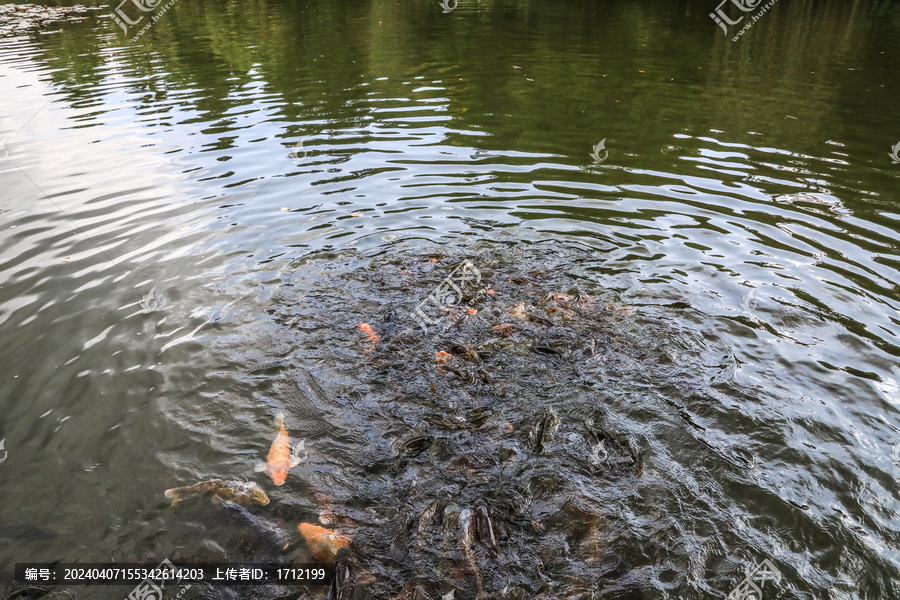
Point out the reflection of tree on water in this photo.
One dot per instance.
(782, 63)
(386, 431)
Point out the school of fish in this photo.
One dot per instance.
(323, 543)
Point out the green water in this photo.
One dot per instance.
(166, 201)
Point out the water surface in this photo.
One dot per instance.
(194, 223)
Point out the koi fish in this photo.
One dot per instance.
(25, 532)
(518, 311)
(239, 492)
(322, 542)
(370, 335)
(281, 459)
(442, 357)
(505, 329)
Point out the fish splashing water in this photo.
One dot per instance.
(239, 492)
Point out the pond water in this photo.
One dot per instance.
(700, 222)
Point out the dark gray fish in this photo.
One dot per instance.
(484, 526)
(25, 532)
(262, 533)
(542, 433)
(341, 587)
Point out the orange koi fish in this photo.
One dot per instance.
(281, 459)
(505, 329)
(370, 335)
(322, 542)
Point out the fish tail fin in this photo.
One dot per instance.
(279, 418)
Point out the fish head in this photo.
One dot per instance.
(279, 474)
(256, 495)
